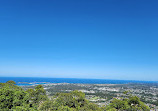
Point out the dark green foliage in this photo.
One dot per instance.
(73, 101)
(11, 82)
(15, 98)
(132, 103)
(37, 95)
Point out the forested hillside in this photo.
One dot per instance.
(14, 98)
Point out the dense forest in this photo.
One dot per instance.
(15, 98)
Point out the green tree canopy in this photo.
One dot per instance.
(132, 103)
(14, 98)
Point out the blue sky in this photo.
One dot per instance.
(107, 39)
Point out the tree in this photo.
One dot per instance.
(14, 98)
(37, 95)
(132, 103)
(73, 101)
(11, 82)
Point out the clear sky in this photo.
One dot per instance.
(107, 39)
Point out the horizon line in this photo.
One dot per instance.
(80, 78)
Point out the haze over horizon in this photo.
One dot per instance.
(107, 39)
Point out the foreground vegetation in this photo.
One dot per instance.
(15, 98)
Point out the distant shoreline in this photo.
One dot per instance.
(34, 81)
(86, 79)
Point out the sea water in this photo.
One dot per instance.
(37, 80)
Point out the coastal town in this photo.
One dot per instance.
(103, 94)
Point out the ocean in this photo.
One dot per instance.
(37, 80)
